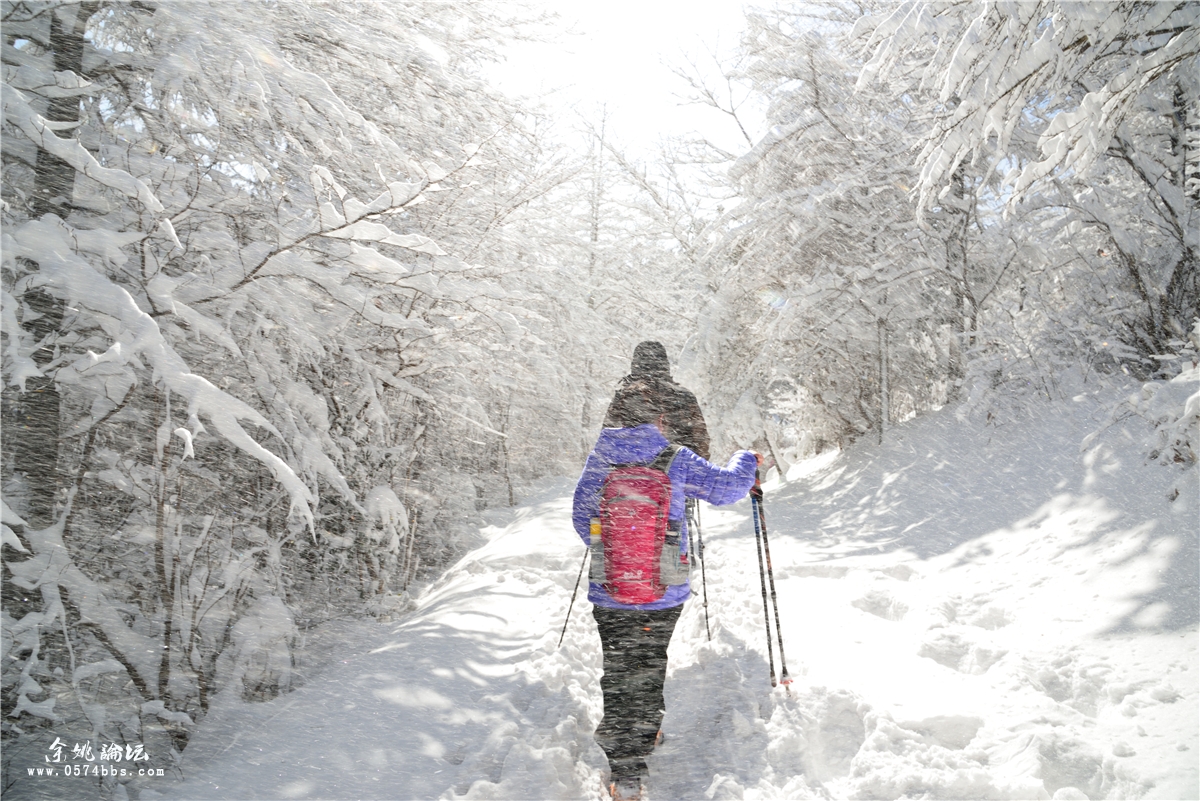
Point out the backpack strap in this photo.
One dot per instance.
(672, 566)
(665, 458)
(662, 462)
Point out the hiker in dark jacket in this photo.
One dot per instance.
(634, 637)
(683, 424)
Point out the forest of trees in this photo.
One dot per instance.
(996, 204)
(291, 293)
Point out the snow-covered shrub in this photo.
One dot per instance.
(1047, 334)
(1172, 407)
(258, 662)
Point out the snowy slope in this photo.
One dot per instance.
(967, 613)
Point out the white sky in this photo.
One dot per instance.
(619, 58)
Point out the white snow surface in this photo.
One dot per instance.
(968, 612)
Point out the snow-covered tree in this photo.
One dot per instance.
(821, 269)
(1088, 108)
(618, 265)
(262, 298)
(1046, 224)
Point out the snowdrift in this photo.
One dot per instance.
(969, 612)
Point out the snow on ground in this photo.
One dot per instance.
(968, 612)
(467, 691)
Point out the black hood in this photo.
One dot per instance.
(650, 359)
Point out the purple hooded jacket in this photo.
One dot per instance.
(691, 477)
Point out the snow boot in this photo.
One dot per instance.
(626, 790)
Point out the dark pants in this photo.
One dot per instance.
(635, 664)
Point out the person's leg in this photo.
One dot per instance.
(635, 665)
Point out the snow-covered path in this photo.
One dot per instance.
(967, 614)
(468, 688)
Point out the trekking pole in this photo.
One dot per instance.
(756, 496)
(574, 592)
(694, 509)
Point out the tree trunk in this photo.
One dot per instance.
(884, 401)
(958, 219)
(163, 551)
(55, 184)
(505, 466)
(597, 189)
(32, 424)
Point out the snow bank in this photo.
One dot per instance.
(968, 613)
(964, 611)
(467, 697)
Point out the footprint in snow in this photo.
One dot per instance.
(955, 648)
(882, 603)
(977, 610)
(1077, 681)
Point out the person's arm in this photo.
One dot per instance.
(718, 485)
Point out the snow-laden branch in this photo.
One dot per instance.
(52, 563)
(18, 366)
(10, 518)
(348, 223)
(47, 241)
(47, 83)
(19, 114)
(1076, 138)
(1082, 65)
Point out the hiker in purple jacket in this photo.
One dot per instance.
(634, 637)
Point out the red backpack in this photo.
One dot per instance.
(638, 557)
